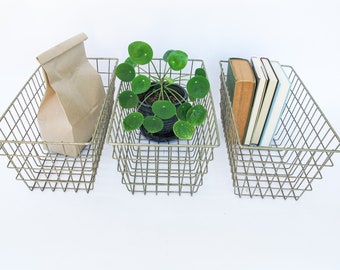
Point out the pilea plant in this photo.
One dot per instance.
(164, 109)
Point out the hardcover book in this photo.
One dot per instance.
(241, 86)
(267, 100)
(278, 102)
(261, 86)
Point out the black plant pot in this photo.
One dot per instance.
(166, 134)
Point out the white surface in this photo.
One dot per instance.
(111, 229)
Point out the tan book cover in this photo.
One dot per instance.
(241, 86)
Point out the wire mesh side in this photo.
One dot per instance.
(177, 166)
(302, 146)
(164, 168)
(35, 165)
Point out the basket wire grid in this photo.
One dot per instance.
(303, 145)
(21, 143)
(176, 166)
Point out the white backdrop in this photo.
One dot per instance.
(111, 229)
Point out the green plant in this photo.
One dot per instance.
(159, 85)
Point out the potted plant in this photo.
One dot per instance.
(164, 109)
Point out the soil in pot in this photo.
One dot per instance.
(166, 134)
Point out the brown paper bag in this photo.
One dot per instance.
(74, 97)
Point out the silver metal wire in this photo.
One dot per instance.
(21, 143)
(177, 166)
(302, 146)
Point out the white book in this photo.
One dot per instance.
(278, 103)
(267, 101)
(261, 86)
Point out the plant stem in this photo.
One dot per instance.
(175, 94)
(158, 75)
(147, 96)
(180, 77)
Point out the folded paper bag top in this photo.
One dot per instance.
(73, 99)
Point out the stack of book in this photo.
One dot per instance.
(258, 91)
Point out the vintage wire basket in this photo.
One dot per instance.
(21, 143)
(303, 145)
(176, 166)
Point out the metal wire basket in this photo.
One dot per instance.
(177, 166)
(21, 143)
(303, 145)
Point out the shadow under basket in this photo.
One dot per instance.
(302, 146)
(175, 166)
(21, 143)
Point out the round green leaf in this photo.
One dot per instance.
(177, 59)
(198, 87)
(196, 115)
(133, 121)
(153, 124)
(169, 80)
(128, 99)
(164, 109)
(183, 130)
(125, 72)
(166, 55)
(182, 111)
(140, 52)
(140, 84)
(192, 98)
(129, 61)
(200, 72)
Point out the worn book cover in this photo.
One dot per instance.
(241, 86)
(260, 90)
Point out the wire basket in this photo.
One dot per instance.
(20, 139)
(176, 166)
(302, 146)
